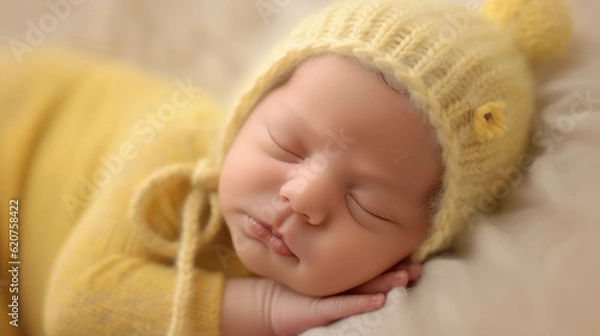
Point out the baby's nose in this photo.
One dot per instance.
(310, 198)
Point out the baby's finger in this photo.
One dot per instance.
(414, 270)
(383, 283)
(338, 307)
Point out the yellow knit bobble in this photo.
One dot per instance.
(488, 121)
(500, 11)
(542, 28)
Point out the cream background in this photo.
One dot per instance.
(532, 268)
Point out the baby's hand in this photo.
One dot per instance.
(292, 313)
(397, 276)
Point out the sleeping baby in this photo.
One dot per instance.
(357, 152)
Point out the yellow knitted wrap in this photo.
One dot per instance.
(467, 70)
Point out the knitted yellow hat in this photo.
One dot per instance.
(466, 69)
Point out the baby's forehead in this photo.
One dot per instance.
(376, 128)
(347, 95)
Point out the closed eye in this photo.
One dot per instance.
(278, 144)
(371, 213)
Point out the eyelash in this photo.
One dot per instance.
(367, 211)
(283, 148)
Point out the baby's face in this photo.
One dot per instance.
(340, 166)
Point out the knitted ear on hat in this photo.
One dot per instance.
(542, 28)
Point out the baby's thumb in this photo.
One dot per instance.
(338, 307)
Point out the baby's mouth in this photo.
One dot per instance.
(269, 236)
(277, 234)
